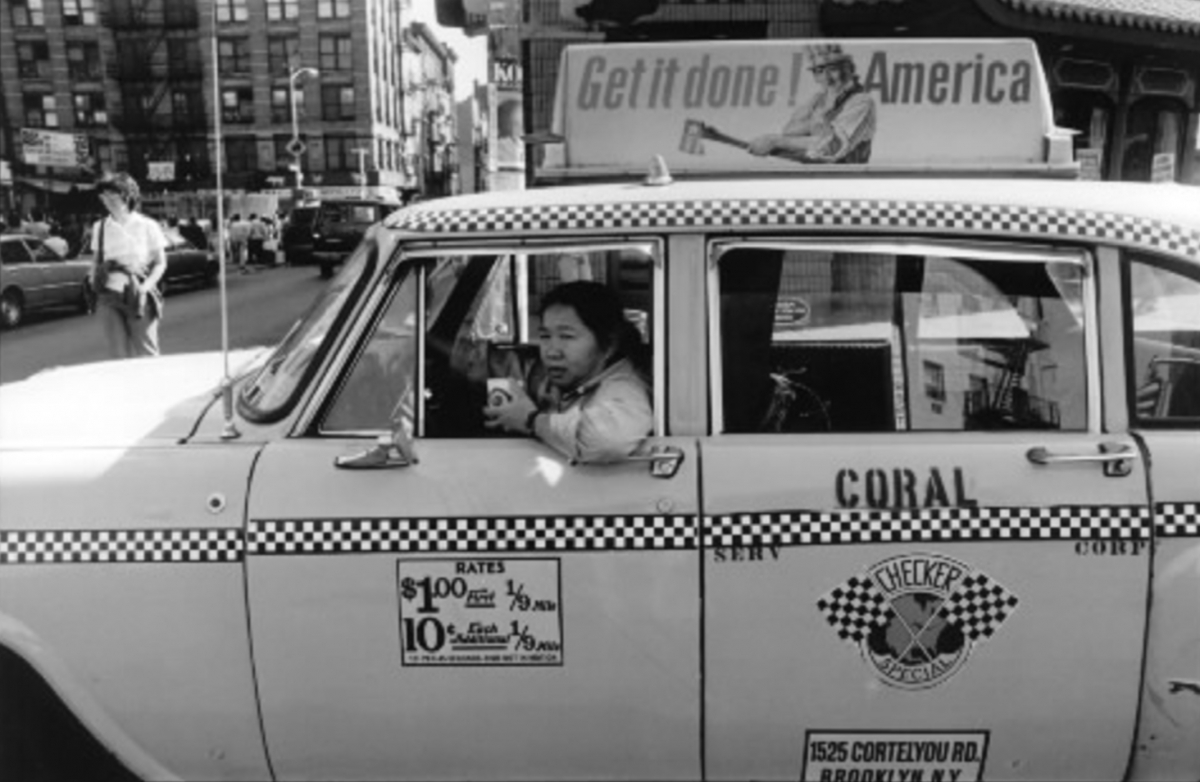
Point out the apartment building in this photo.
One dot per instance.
(134, 81)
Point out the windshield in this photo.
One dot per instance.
(273, 388)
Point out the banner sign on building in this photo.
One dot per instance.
(54, 148)
(721, 106)
(160, 171)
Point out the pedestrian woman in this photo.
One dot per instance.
(130, 259)
(589, 401)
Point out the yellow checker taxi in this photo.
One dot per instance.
(918, 496)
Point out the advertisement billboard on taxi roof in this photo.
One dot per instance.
(788, 105)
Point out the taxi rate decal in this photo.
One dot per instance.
(916, 617)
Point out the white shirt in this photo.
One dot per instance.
(131, 244)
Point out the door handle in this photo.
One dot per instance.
(664, 460)
(1116, 458)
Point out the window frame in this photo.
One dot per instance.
(415, 258)
(1173, 266)
(978, 250)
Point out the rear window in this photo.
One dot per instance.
(304, 215)
(355, 214)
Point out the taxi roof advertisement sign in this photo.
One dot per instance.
(775, 105)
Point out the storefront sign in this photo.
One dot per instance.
(160, 171)
(52, 148)
(782, 105)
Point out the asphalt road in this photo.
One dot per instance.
(262, 307)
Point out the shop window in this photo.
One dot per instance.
(1154, 127)
(838, 340)
(1090, 115)
(1164, 333)
(481, 333)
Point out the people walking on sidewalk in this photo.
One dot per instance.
(130, 254)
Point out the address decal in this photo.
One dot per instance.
(916, 617)
(888, 756)
(480, 612)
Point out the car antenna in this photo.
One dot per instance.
(229, 430)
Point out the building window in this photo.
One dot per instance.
(33, 60)
(232, 11)
(183, 56)
(89, 109)
(234, 55)
(41, 111)
(83, 60)
(335, 53)
(79, 12)
(237, 105)
(281, 54)
(337, 102)
(333, 9)
(281, 108)
(28, 13)
(187, 106)
(282, 9)
(241, 154)
(339, 153)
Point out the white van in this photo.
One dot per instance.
(917, 497)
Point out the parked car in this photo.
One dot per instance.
(340, 225)
(915, 495)
(187, 265)
(296, 240)
(33, 276)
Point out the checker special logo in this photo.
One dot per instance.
(916, 617)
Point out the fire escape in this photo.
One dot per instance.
(160, 73)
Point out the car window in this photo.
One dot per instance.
(274, 387)
(13, 253)
(832, 339)
(43, 252)
(1164, 333)
(480, 324)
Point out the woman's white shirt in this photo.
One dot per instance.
(131, 243)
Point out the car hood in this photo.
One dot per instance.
(145, 401)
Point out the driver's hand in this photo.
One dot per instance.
(510, 416)
(761, 146)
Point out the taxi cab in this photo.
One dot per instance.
(921, 500)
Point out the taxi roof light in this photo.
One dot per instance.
(658, 174)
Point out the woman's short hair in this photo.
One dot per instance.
(600, 310)
(124, 186)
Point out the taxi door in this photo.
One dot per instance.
(484, 610)
(908, 505)
(1160, 299)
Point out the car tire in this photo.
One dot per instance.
(12, 308)
(326, 270)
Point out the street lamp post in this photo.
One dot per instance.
(362, 153)
(296, 147)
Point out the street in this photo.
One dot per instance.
(262, 306)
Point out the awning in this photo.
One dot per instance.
(1173, 16)
(51, 185)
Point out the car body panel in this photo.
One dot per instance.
(40, 275)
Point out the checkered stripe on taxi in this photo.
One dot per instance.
(837, 213)
(1177, 519)
(132, 545)
(809, 528)
(521, 533)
